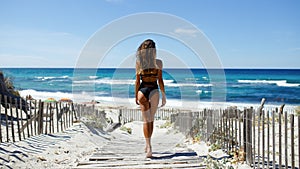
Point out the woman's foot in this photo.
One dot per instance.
(148, 152)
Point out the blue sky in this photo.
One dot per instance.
(245, 34)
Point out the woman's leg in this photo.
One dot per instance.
(154, 101)
(145, 108)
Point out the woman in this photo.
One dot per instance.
(149, 70)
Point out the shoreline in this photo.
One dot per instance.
(171, 103)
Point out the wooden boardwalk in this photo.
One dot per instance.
(127, 151)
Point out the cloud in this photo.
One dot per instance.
(186, 32)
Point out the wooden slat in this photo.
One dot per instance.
(268, 139)
(0, 119)
(286, 140)
(263, 139)
(292, 141)
(298, 128)
(280, 142)
(273, 138)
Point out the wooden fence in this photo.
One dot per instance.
(268, 138)
(41, 118)
(128, 115)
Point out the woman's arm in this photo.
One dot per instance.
(137, 82)
(161, 82)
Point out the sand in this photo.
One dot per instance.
(60, 150)
(77, 143)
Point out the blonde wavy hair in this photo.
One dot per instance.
(146, 55)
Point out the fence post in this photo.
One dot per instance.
(35, 115)
(273, 138)
(191, 122)
(6, 118)
(248, 135)
(30, 114)
(57, 112)
(0, 119)
(244, 128)
(263, 139)
(258, 126)
(280, 135)
(298, 128)
(286, 139)
(18, 124)
(47, 114)
(72, 118)
(240, 129)
(253, 136)
(292, 141)
(268, 139)
(23, 129)
(12, 120)
(61, 117)
(40, 118)
(51, 128)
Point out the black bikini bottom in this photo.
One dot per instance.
(148, 88)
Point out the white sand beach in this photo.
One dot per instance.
(79, 142)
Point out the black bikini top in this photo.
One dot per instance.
(151, 73)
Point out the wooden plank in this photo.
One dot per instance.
(298, 142)
(34, 118)
(259, 138)
(280, 142)
(35, 115)
(57, 126)
(249, 155)
(23, 127)
(0, 119)
(142, 164)
(252, 137)
(240, 132)
(268, 139)
(6, 118)
(286, 140)
(232, 134)
(18, 124)
(72, 118)
(244, 128)
(12, 121)
(263, 139)
(21, 104)
(273, 138)
(64, 117)
(30, 114)
(292, 141)
(60, 117)
(280, 135)
(100, 158)
(236, 129)
(50, 118)
(40, 119)
(46, 121)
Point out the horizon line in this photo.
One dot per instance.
(14, 67)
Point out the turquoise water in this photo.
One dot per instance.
(231, 85)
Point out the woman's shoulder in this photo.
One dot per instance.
(159, 63)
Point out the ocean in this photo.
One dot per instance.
(277, 86)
